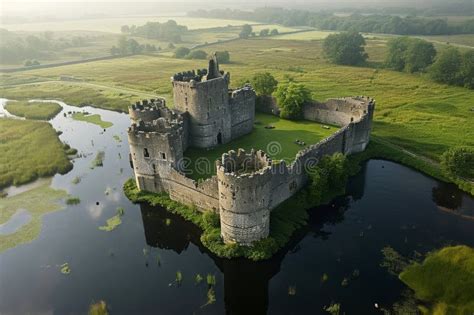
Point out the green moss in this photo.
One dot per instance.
(29, 149)
(38, 201)
(93, 119)
(114, 221)
(33, 110)
(445, 278)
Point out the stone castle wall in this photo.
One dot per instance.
(242, 111)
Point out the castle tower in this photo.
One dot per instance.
(245, 187)
(157, 143)
(204, 94)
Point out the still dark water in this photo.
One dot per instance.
(133, 268)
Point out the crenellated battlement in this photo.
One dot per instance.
(242, 164)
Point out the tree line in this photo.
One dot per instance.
(373, 23)
(169, 31)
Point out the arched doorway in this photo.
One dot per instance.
(219, 138)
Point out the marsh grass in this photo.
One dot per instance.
(29, 149)
(98, 161)
(73, 200)
(65, 269)
(38, 201)
(93, 119)
(113, 222)
(198, 278)
(99, 308)
(210, 279)
(33, 110)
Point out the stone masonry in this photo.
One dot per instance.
(248, 185)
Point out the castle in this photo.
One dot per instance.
(248, 185)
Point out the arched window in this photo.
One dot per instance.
(146, 153)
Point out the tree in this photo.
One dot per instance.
(467, 69)
(264, 83)
(171, 46)
(397, 48)
(274, 32)
(246, 31)
(223, 56)
(290, 98)
(420, 54)
(181, 52)
(459, 161)
(345, 48)
(125, 29)
(446, 68)
(197, 54)
(264, 32)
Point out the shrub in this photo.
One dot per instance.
(446, 68)
(459, 161)
(197, 54)
(181, 52)
(246, 31)
(264, 83)
(223, 56)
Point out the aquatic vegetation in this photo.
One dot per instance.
(29, 149)
(76, 180)
(292, 290)
(324, 277)
(179, 277)
(211, 297)
(158, 260)
(98, 161)
(99, 308)
(113, 222)
(38, 201)
(73, 200)
(33, 110)
(445, 278)
(145, 252)
(93, 119)
(345, 282)
(210, 279)
(118, 139)
(65, 270)
(198, 278)
(393, 261)
(356, 273)
(168, 222)
(333, 308)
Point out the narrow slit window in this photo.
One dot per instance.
(146, 153)
(163, 155)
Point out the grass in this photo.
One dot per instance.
(99, 308)
(113, 222)
(73, 200)
(93, 119)
(279, 142)
(29, 149)
(445, 278)
(38, 202)
(34, 110)
(98, 161)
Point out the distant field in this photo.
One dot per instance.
(113, 25)
(310, 35)
(412, 111)
(280, 141)
(461, 40)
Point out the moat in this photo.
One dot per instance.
(133, 268)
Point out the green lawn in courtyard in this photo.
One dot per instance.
(278, 143)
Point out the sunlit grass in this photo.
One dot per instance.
(93, 119)
(33, 110)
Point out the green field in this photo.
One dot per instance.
(93, 119)
(29, 149)
(278, 143)
(33, 110)
(446, 279)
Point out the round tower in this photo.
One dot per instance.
(146, 110)
(244, 183)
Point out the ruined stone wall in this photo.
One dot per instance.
(242, 109)
(208, 105)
